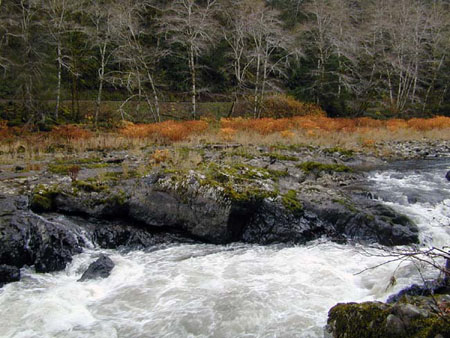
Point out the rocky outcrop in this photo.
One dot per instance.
(241, 203)
(101, 268)
(411, 317)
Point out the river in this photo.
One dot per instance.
(230, 291)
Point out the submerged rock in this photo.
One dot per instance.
(101, 268)
(447, 176)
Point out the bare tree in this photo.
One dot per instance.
(190, 25)
(319, 31)
(236, 35)
(398, 40)
(101, 37)
(58, 13)
(271, 49)
(438, 46)
(138, 58)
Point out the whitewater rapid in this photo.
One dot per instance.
(228, 291)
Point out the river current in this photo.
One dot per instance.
(230, 291)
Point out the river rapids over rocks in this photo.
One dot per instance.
(237, 290)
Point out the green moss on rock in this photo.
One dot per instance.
(354, 320)
(90, 186)
(342, 151)
(375, 319)
(42, 199)
(317, 167)
(291, 202)
(281, 157)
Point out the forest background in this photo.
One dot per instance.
(99, 62)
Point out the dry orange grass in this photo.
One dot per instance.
(227, 134)
(171, 131)
(315, 130)
(70, 132)
(266, 126)
(160, 156)
(438, 122)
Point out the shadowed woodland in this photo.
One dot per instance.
(149, 60)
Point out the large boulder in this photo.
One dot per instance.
(101, 268)
(29, 239)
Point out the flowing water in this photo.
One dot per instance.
(229, 291)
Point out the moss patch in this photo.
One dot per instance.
(281, 157)
(342, 151)
(317, 167)
(90, 186)
(291, 202)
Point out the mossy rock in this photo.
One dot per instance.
(90, 186)
(42, 199)
(375, 319)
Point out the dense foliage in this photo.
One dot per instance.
(380, 58)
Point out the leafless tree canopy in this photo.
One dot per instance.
(356, 57)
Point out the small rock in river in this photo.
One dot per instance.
(101, 268)
(447, 176)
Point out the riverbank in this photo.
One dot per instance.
(212, 193)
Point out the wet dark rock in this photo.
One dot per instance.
(113, 235)
(115, 160)
(427, 289)
(29, 239)
(101, 268)
(447, 176)
(9, 274)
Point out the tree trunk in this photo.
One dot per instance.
(255, 108)
(58, 88)
(155, 96)
(99, 99)
(101, 76)
(193, 78)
